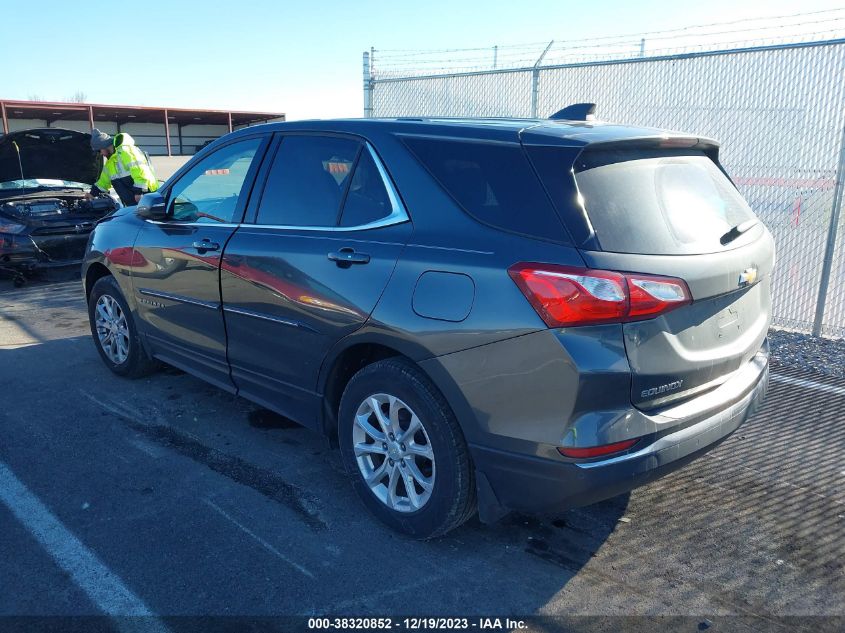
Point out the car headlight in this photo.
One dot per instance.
(11, 229)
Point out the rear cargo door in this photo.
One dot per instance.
(673, 212)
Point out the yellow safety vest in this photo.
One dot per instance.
(128, 161)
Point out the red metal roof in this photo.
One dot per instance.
(54, 111)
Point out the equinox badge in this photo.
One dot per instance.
(654, 391)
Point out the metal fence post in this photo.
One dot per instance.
(368, 87)
(830, 249)
(535, 81)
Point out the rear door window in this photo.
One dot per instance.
(493, 182)
(308, 181)
(657, 201)
(367, 200)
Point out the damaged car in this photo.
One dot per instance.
(45, 218)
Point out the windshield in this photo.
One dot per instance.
(658, 202)
(42, 183)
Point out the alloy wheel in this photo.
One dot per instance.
(393, 452)
(112, 329)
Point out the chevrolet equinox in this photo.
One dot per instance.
(486, 315)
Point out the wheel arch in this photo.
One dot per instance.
(95, 272)
(352, 354)
(359, 354)
(98, 269)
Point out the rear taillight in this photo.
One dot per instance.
(567, 295)
(650, 296)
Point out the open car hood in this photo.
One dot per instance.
(49, 153)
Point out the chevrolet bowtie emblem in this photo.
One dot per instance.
(747, 276)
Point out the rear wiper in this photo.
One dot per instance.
(736, 231)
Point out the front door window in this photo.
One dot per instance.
(212, 190)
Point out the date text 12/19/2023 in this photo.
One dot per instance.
(414, 624)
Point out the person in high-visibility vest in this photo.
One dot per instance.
(127, 168)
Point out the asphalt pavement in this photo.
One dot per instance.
(165, 496)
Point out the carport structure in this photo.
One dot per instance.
(162, 129)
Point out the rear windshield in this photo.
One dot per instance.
(658, 202)
(493, 182)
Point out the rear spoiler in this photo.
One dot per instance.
(663, 141)
(708, 146)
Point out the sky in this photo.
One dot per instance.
(300, 58)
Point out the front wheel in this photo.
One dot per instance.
(114, 331)
(405, 451)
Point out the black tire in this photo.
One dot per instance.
(452, 499)
(137, 362)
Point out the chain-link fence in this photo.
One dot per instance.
(779, 111)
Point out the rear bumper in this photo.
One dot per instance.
(529, 483)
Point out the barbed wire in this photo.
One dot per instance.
(756, 31)
(628, 35)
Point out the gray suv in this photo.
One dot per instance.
(485, 315)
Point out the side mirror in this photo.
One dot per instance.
(152, 206)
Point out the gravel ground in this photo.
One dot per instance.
(808, 353)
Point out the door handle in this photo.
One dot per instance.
(206, 245)
(345, 257)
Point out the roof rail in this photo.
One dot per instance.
(576, 112)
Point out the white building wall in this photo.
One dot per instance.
(109, 127)
(15, 125)
(276, 120)
(149, 136)
(76, 126)
(195, 135)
